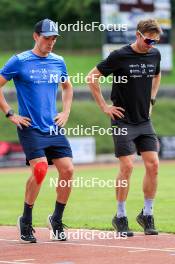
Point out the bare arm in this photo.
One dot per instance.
(155, 88)
(93, 81)
(155, 85)
(5, 107)
(67, 95)
(3, 103)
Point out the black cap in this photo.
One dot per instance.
(47, 27)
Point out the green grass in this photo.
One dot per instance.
(163, 117)
(83, 63)
(88, 114)
(169, 78)
(89, 207)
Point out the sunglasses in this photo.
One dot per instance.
(149, 41)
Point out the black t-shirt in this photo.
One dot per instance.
(132, 92)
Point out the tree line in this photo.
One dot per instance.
(17, 14)
(25, 13)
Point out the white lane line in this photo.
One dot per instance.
(138, 250)
(146, 250)
(13, 262)
(66, 262)
(108, 246)
(9, 262)
(9, 240)
(96, 245)
(24, 260)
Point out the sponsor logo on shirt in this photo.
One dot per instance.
(44, 75)
(140, 70)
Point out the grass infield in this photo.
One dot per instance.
(89, 207)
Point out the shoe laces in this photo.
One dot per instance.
(124, 222)
(29, 229)
(150, 221)
(60, 226)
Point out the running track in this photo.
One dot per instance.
(139, 249)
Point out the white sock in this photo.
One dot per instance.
(148, 207)
(121, 209)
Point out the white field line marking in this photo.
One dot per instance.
(138, 250)
(24, 260)
(64, 262)
(167, 249)
(95, 245)
(109, 246)
(13, 262)
(9, 240)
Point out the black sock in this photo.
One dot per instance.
(58, 213)
(27, 213)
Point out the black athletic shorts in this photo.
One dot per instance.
(37, 144)
(131, 138)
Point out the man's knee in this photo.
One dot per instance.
(67, 172)
(126, 168)
(39, 171)
(152, 166)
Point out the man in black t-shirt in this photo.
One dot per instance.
(136, 79)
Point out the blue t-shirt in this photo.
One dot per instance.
(36, 80)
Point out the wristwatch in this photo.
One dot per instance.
(153, 101)
(10, 113)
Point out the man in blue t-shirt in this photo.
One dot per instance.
(36, 74)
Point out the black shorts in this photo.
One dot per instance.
(37, 144)
(130, 138)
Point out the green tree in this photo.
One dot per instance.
(25, 13)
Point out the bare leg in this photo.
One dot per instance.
(32, 188)
(126, 167)
(65, 170)
(151, 162)
(145, 218)
(120, 221)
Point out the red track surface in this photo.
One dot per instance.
(139, 249)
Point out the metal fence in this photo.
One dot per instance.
(22, 40)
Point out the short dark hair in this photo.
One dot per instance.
(149, 25)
